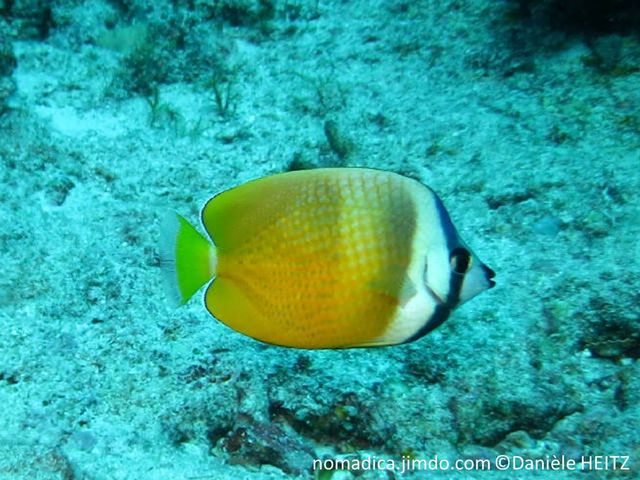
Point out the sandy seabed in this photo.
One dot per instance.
(122, 110)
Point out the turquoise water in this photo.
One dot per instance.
(523, 116)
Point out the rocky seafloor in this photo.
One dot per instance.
(523, 115)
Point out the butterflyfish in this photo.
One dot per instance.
(325, 258)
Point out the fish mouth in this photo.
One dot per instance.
(489, 274)
(455, 287)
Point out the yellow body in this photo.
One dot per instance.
(311, 259)
(325, 258)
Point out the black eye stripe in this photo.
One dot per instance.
(460, 260)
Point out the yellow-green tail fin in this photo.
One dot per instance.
(188, 259)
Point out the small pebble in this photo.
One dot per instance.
(547, 225)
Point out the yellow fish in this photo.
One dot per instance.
(326, 258)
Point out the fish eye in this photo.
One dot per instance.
(460, 260)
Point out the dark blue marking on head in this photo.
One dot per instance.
(450, 233)
(440, 314)
(453, 242)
